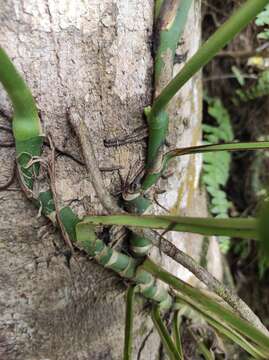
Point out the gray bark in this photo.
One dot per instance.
(95, 55)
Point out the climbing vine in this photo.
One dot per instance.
(144, 277)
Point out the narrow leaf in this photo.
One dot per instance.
(128, 334)
(235, 227)
(210, 305)
(219, 147)
(164, 335)
(176, 333)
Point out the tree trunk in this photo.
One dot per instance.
(96, 56)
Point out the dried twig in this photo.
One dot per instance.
(84, 137)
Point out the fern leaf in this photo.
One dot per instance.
(216, 166)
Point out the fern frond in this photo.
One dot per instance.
(261, 88)
(216, 165)
(263, 20)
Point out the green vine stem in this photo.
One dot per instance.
(162, 162)
(207, 51)
(28, 136)
(28, 140)
(26, 124)
(164, 335)
(170, 20)
(226, 32)
(169, 25)
(129, 317)
(157, 116)
(122, 264)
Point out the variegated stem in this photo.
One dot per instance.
(27, 133)
(225, 33)
(170, 20)
(207, 51)
(198, 298)
(26, 128)
(26, 124)
(162, 162)
(171, 17)
(139, 245)
(122, 264)
(28, 138)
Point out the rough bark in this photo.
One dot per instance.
(95, 55)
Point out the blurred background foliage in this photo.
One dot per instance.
(236, 107)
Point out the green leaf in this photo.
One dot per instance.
(176, 333)
(225, 33)
(264, 35)
(211, 308)
(129, 314)
(235, 227)
(164, 335)
(239, 76)
(263, 17)
(220, 209)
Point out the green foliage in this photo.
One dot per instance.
(145, 275)
(238, 75)
(220, 317)
(261, 86)
(129, 317)
(247, 93)
(262, 19)
(245, 228)
(216, 165)
(259, 89)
